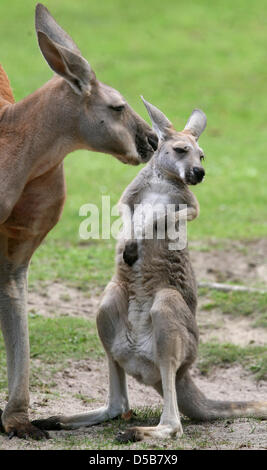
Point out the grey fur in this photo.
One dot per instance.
(197, 122)
(147, 317)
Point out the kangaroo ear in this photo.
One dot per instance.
(196, 123)
(61, 52)
(160, 123)
(72, 67)
(45, 22)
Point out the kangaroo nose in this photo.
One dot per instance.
(153, 141)
(199, 173)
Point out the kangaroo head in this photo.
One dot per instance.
(102, 119)
(179, 154)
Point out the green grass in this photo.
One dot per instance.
(180, 55)
(236, 304)
(104, 435)
(53, 342)
(87, 266)
(254, 358)
(239, 303)
(104, 438)
(63, 337)
(56, 340)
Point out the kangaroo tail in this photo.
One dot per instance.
(5, 88)
(193, 403)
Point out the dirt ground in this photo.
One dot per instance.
(237, 262)
(83, 385)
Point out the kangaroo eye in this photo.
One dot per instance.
(202, 157)
(119, 109)
(181, 150)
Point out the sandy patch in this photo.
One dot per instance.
(60, 299)
(214, 325)
(238, 262)
(83, 384)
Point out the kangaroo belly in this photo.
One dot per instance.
(133, 349)
(137, 361)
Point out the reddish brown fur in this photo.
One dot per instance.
(5, 88)
(36, 134)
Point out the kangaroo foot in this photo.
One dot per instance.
(22, 428)
(26, 431)
(51, 424)
(161, 431)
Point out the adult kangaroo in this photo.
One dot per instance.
(72, 111)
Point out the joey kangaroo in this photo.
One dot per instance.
(146, 320)
(72, 111)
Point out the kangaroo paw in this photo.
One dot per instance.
(51, 424)
(27, 431)
(130, 254)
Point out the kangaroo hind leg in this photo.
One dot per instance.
(170, 347)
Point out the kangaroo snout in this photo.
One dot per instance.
(199, 173)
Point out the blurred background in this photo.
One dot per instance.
(179, 55)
